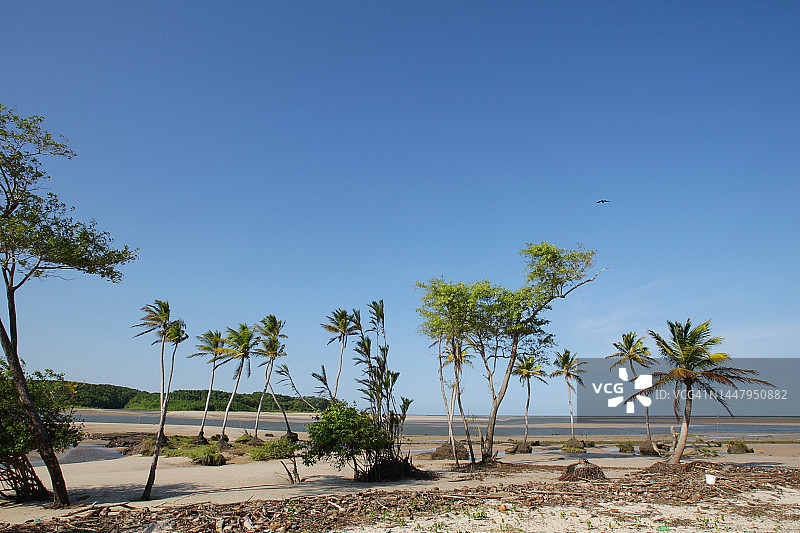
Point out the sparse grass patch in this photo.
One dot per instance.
(273, 449)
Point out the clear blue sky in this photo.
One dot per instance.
(295, 157)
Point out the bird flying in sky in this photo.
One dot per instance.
(602, 201)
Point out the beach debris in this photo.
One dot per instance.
(574, 445)
(739, 447)
(673, 485)
(445, 451)
(649, 448)
(626, 447)
(520, 447)
(582, 470)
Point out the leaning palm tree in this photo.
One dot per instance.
(341, 324)
(526, 369)
(212, 346)
(156, 319)
(176, 334)
(632, 351)
(567, 365)
(240, 343)
(695, 367)
(271, 347)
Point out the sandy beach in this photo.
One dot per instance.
(179, 483)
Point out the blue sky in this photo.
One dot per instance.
(295, 157)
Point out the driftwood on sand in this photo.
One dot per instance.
(668, 484)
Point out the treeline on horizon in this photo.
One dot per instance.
(90, 395)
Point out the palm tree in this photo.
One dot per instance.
(567, 365)
(240, 342)
(176, 334)
(525, 370)
(156, 319)
(271, 347)
(632, 351)
(211, 345)
(340, 323)
(695, 368)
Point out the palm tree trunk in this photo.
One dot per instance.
(275, 399)
(450, 416)
(151, 478)
(338, 372)
(464, 418)
(208, 398)
(675, 458)
(230, 402)
(161, 392)
(261, 401)
(448, 408)
(527, 404)
(647, 421)
(43, 443)
(571, 418)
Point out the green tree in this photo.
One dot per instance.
(39, 239)
(695, 367)
(340, 323)
(502, 323)
(378, 383)
(568, 365)
(345, 434)
(527, 369)
(240, 342)
(53, 397)
(446, 311)
(211, 346)
(632, 351)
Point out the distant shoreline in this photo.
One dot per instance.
(776, 428)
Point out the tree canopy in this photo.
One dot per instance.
(53, 397)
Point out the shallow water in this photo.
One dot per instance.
(83, 453)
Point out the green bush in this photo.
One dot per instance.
(626, 447)
(244, 438)
(273, 449)
(206, 455)
(570, 449)
(344, 433)
(53, 398)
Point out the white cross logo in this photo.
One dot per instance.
(640, 383)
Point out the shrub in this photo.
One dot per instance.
(739, 446)
(273, 449)
(244, 438)
(626, 447)
(207, 455)
(344, 434)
